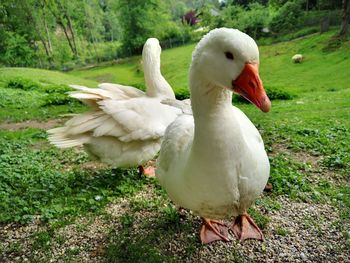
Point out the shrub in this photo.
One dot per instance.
(16, 51)
(55, 94)
(251, 20)
(287, 18)
(182, 94)
(274, 93)
(57, 99)
(21, 83)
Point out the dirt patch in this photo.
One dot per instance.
(298, 156)
(32, 124)
(94, 165)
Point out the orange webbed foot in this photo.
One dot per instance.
(149, 171)
(213, 230)
(244, 228)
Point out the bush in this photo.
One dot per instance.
(58, 99)
(287, 18)
(182, 94)
(16, 51)
(23, 84)
(251, 20)
(274, 93)
(55, 94)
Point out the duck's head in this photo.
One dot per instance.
(151, 49)
(229, 58)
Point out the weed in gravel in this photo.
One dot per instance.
(260, 219)
(170, 214)
(14, 248)
(42, 240)
(268, 203)
(127, 220)
(282, 231)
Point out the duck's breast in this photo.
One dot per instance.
(227, 168)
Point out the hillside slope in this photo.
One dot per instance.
(320, 70)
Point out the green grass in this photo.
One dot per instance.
(46, 183)
(43, 76)
(129, 72)
(28, 94)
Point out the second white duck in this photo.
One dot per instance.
(125, 125)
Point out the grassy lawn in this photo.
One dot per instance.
(59, 205)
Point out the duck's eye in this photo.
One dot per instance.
(229, 55)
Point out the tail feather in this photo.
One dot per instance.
(62, 139)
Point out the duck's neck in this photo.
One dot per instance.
(215, 127)
(156, 85)
(207, 99)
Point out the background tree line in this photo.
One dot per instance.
(63, 34)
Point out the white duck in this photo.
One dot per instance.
(214, 162)
(125, 125)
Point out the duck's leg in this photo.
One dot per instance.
(213, 230)
(149, 170)
(244, 228)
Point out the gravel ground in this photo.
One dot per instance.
(298, 232)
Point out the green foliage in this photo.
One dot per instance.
(149, 19)
(23, 84)
(56, 98)
(171, 215)
(287, 18)
(31, 94)
(261, 220)
(274, 93)
(182, 94)
(251, 19)
(16, 51)
(287, 176)
(55, 94)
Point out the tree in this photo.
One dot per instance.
(345, 18)
(287, 18)
(141, 19)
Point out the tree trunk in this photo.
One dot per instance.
(47, 50)
(345, 18)
(72, 34)
(60, 23)
(46, 30)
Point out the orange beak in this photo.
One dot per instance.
(249, 85)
